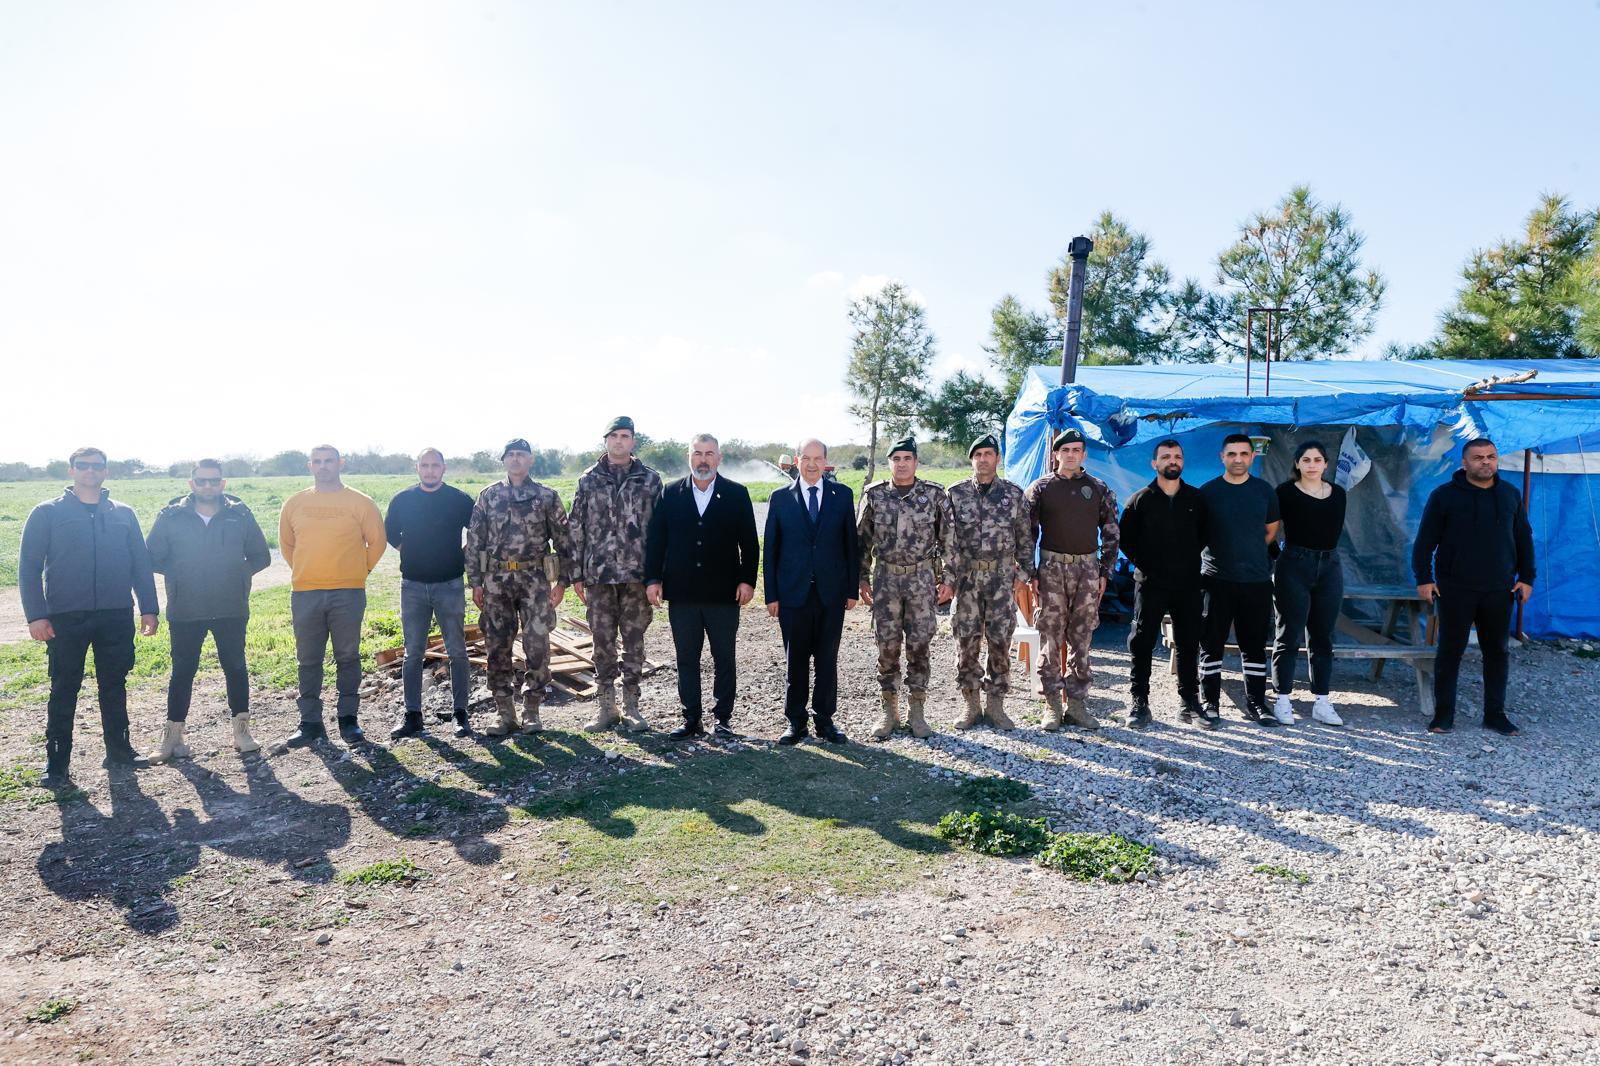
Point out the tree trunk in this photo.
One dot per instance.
(872, 441)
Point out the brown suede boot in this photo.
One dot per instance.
(995, 710)
(506, 724)
(172, 745)
(1052, 712)
(914, 717)
(530, 713)
(974, 712)
(631, 718)
(891, 716)
(1079, 715)
(605, 715)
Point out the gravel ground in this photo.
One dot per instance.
(1448, 912)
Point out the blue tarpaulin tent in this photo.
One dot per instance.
(1409, 419)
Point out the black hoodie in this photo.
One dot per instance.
(1472, 538)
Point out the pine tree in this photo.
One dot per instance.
(889, 358)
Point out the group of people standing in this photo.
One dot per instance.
(1203, 556)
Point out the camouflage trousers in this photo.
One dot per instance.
(1068, 611)
(904, 612)
(619, 611)
(517, 602)
(985, 615)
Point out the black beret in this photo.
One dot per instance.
(985, 441)
(1066, 436)
(904, 444)
(515, 445)
(620, 422)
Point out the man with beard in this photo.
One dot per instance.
(701, 554)
(1163, 532)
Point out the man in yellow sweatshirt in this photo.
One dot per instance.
(331, 536)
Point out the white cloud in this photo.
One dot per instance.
(825, 279)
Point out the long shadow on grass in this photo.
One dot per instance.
(380, 783)
(849, 787)
(130, 857)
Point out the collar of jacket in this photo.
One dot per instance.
(71, 493)
(635, 469)
(187, 501)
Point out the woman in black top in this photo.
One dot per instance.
(1308, 583)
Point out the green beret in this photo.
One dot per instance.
(620, 422)
(516, 445)
(985, 441)
(1066, 436)
(904, 444)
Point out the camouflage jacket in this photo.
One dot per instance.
(904, 530)
(996, 525)
(1108, 532)
(609, 519)
(517, 523)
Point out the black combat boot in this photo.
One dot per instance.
(308, 734)
(410, 726)
(349, 731)
(1139, 715)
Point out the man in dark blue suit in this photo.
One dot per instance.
(811, 568)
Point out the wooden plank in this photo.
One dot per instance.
(1383, 652)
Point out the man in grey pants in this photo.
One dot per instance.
(425, 522)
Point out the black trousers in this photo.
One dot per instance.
(110, 635)
(1460, 610)
(187, 638)
(1308, 589)
(1246, 608)
(811, 635)
(693, 625)
(1151, 603)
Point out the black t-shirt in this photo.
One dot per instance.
(1237, 517)
(1309, 522)
(427, 528)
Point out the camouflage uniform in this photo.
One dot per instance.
(906, 542)
(511, 527)
(610, 512)
(1069, 591)
(994, 536)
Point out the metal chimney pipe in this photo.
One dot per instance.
(1079, 249)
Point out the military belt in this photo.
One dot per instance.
(516, 564)
(984, 564)
(907, 568)
(1063, 557)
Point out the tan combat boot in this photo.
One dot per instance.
(631, 718)
(914, 717)
(995, 711)
(974, 712)
(530, 713)
(891, 716)
(505, 724)
(172, 745)
(242, 740)
(1079, 715)
(605, 715)
(1052, 712)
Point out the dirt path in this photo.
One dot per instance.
(14, 624)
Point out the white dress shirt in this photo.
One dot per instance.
(805, 495)
(702, 497)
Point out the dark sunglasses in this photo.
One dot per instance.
(81, 465)
(199, 481)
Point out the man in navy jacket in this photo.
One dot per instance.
(811, 568)
(700, 556)
(83, 561)
(1472, 558)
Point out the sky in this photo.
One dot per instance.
(241, 228)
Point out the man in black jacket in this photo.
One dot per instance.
(1163, 531)
(209, 546)
(700, 556)
(1472, 558)
(83, 563)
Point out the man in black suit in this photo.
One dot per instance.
(811, 570)
(700, 555)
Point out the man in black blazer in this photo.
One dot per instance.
(700, 555)
(812, 566)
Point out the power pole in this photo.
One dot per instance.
(1079, 249)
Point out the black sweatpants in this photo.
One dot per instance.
(1246, 608)
(1459, 610)
(1151, 603)
(110, 635)
(187, 639)
(693, 625)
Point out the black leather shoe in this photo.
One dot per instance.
(793, 735)
(410, 726)
(308, 734)
(462, 728)
(350, 732)
(830, 732)
(122, 759)
(689, 730)
(1209, 717)
(724, 731)
(1139, 716)
(1260, 715)
(1502, 725)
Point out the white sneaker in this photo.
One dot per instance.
(1322, 711)
(1283, 710)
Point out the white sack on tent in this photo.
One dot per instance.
(1353, 462)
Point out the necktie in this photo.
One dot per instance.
(814, 505)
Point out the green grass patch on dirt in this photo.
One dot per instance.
(401, 871)
(1281, 872)
(52, 1010)
(1096, 856)
(995, 832)
(23, 784)
(855, 819)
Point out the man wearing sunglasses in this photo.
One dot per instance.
(83, 563)
(209, 546)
